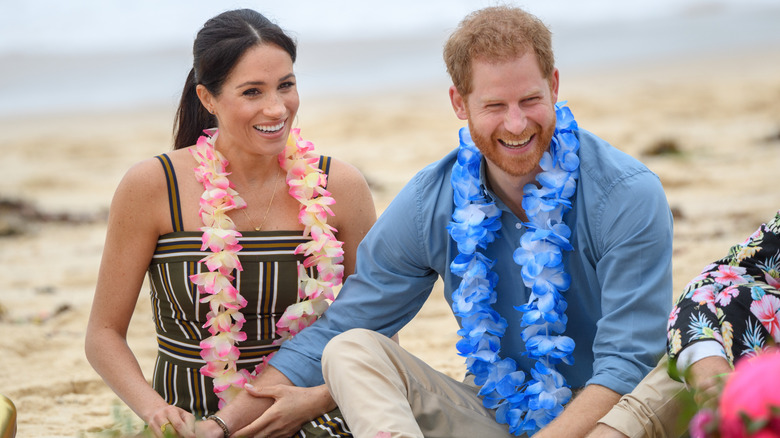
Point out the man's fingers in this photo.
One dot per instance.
(263, 391)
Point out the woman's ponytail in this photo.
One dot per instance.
(191, 117)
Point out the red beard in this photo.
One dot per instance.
(494, 151)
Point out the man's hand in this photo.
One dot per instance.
(292, 406)
(244, 408)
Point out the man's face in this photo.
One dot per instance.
(511, 113)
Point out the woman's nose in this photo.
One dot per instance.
(274, 106)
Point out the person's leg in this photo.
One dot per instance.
(380, 387)
(651, 409)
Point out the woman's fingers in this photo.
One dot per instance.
(174, 422)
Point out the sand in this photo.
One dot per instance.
(716, 116)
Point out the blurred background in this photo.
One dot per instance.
(89, 87)
(109, 54)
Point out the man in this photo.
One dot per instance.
(505, 86)
(558, 265)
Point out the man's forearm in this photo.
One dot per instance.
(582, 413)
(650, 410)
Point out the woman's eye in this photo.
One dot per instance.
(251, 92)
(288, 84)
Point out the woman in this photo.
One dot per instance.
(226, 245)
(731, 310)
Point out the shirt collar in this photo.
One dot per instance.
(483, 185)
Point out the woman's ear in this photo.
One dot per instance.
(206, 98)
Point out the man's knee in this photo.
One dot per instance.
(347, 345)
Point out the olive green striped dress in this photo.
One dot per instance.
(269, 283)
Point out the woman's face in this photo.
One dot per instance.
(258, 101)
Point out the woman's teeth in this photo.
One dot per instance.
(269, 129)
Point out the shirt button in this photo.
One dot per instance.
(518, 225)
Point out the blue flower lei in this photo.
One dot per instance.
(525, 405)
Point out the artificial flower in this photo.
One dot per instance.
(526, 406)
(224, 320)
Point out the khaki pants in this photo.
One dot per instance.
(651, 409)
(380, 387)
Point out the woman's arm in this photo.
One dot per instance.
(245, 410)
(354, 210)
(273, 407)
(131, 237)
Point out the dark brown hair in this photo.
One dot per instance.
(216, 50)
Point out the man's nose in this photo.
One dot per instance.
(515, 120)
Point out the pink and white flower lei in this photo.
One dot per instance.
(225, 320)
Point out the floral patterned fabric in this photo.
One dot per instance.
(734, 301)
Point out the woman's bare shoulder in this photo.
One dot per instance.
(352, 194)
(343, 175)
(150, 173)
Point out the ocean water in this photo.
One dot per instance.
(109, 54)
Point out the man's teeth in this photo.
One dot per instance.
(516, 143)
(269, 128)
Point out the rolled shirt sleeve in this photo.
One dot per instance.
(388, 288)
(634, 274)
(620, 293)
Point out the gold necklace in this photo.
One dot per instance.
(257, 228)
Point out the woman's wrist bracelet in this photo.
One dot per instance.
(221, 423)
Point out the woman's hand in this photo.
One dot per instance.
(292, 406)
(208, 429)
(171, 420)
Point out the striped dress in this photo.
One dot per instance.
(268, 281)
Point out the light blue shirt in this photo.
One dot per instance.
(621, 269)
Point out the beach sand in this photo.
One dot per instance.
(708, 126)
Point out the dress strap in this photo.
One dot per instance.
(173, 192)
(324, 165)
